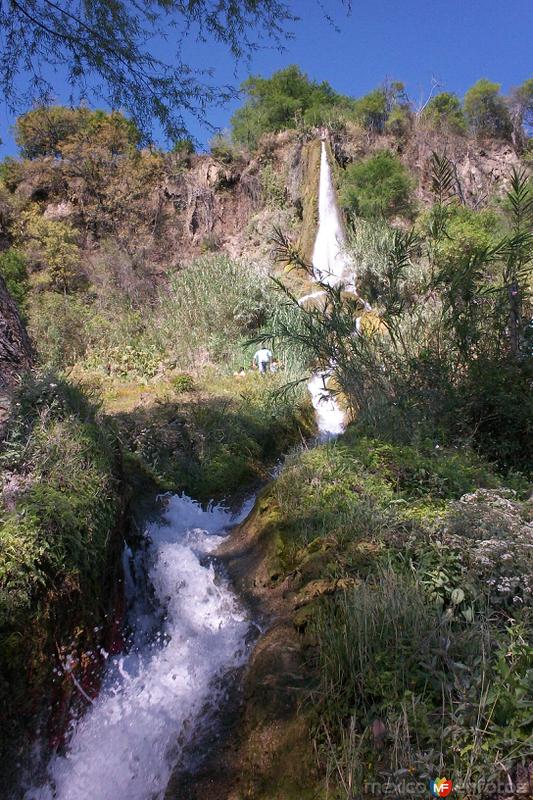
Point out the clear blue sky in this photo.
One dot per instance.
(457, 41)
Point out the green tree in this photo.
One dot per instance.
(521, 111)
(371, 110)
(39, 132)
(183, 146)
(388, 103)
(444, 112)
(47, 130)
(280, 102)
(378, 186)
(486, 111)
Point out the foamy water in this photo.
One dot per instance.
(330, 262)
(330, 417)
(332, 266)
(127, 743)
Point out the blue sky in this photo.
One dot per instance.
(456, 41)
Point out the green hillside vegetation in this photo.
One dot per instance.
(289, 99)
(408, 540)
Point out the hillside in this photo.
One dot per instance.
(364, 620)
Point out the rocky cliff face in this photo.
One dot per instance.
(161, 210)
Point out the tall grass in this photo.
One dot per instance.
(209, 310)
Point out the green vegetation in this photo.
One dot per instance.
(407, 542)
(47, 131)
(14, 271)
(60, 527)
(486, 111)
(447, 356)
(393, 551)
(283, 101)
(378, 186)
(211, 440)
(444, 112)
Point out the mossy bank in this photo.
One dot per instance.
(394, 585)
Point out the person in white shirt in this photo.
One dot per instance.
(262, 359)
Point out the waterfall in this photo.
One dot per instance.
(332, 266)
(330, 263)
(189, 631)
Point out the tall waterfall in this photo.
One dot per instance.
(330, 263)
(331, 266)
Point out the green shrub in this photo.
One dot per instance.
(182, 382)
(282, 101)
(444, 112)
(60, 544)
(222, 148)
(372, 110)
(378, 186)
(486, 111)
(15, 274)
(211, 305)
(44, 131)
(273, 187)
(57, 324)
(183, 147)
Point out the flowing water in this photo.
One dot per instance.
(189, 634)
(330, 263)
(189, 628)
(331, 266)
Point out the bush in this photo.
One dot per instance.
(444, 112)
(372, 110)
(15, 274)
(210, 307)
(183, 147)
(486, 111)
(46, 130)
(281, 101)
(57, 325)
(378, 186)
(182, 382)
(60, 516)
(222, 148)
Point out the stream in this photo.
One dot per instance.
(190, 631)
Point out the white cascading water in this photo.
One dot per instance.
(331, 266)
(127, 743)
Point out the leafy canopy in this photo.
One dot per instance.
(45, 131)
(444, 111)
(486, 110)
(280, 102)
(107, 48)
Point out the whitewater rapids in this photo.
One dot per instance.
(128, 741)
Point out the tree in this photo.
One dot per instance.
(374, 110)
(107, 48)
(486, 110)
(279, 102)
(379, 186)
(371, 110)
(46, 130)
(39, 132)
(521, 111)
(444, 111)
